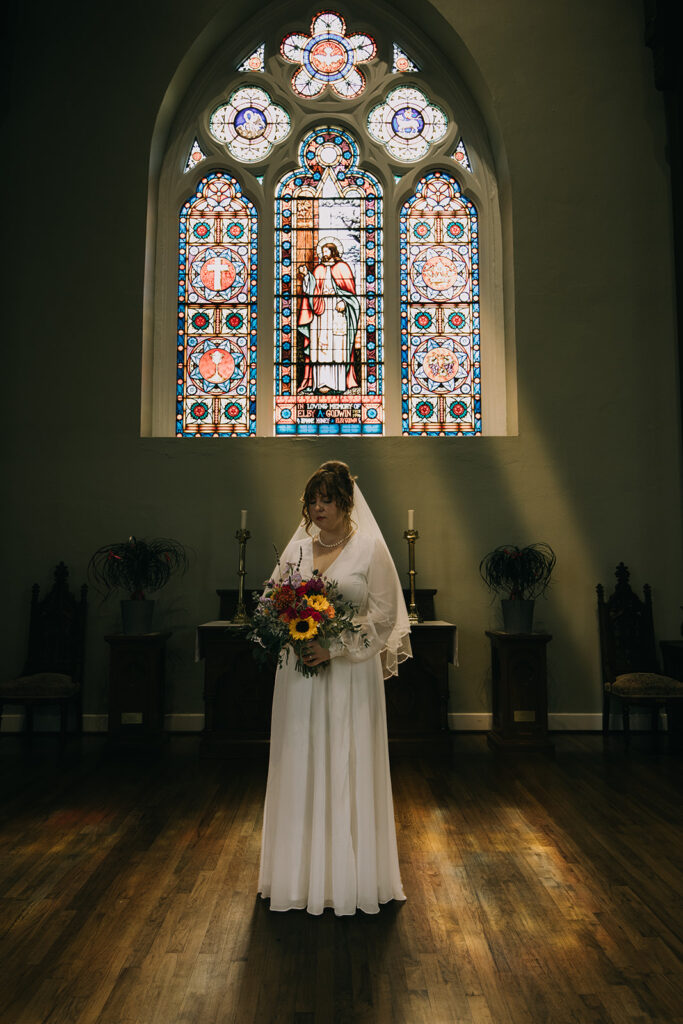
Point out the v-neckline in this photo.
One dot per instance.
(335, 559)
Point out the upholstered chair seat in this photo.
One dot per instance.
(38, 686)
(645, 684)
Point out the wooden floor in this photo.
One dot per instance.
(538, 891)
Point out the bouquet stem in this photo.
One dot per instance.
(306, 670)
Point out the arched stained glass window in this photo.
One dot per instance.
(440, 365)
(328, 292)
(217, 325)
(372, 174)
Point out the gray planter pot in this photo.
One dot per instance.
(136, 617)
(518, 616)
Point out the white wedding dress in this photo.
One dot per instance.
(329, 837)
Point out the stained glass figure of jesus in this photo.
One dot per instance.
(328, 320)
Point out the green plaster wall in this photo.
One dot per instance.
(595, 470)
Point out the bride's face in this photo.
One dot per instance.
(326, 514)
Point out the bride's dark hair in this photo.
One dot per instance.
(332, 481)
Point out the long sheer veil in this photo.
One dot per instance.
(384, 585)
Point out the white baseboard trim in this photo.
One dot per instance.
(458, 721)
(14, 723)
(558, 721)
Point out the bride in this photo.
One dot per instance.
(329, 838)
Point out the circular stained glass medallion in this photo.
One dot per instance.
(407, 123)
(440, 365)
(199, 410)
(457, 320)
(218, 273)
(424, 410)
(250, 123)
(216, 366)
(329, 57)
(200, 321)
(439, 272)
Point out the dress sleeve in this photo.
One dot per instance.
(383, 623)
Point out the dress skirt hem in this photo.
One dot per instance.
(329, 905)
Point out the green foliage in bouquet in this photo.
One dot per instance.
(292, 611)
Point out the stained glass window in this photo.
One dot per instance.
(407, 123)
(402, 61)
(249, 124)
(328, 292)
(255, 61)
(196, 156)
(217, 262)
(461, 156)
(440, 367)
(328, 57)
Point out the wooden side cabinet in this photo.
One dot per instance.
(519, 692)
(137, 685)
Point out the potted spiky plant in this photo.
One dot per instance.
(522, 574)
(139, 567)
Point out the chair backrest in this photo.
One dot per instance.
(627, 636)
(56, 637)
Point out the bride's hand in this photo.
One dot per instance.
(315, 654)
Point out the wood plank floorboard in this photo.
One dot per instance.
(540, 891)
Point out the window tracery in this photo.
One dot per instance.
(332, 222)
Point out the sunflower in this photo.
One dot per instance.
(320, 603)
(302, 628)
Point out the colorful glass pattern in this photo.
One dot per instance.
(440, 365)
(217, 292)
(462, 156)
(249, 124)
(255, 61)
(196, 156)
(328, 57)
(402, 61)
(328, 292)
(407, 124)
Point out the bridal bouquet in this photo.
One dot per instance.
(293, 610)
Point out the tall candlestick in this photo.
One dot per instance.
(411, 536)
(241, 615)
(411, 518)
(243, 519)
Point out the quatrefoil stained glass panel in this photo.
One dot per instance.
(217, 280)
(440, 366)
(249, 124)
(407, 124)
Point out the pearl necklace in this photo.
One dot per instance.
(336, 543)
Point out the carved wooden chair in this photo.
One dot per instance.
(53, 671)
(629, 657)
